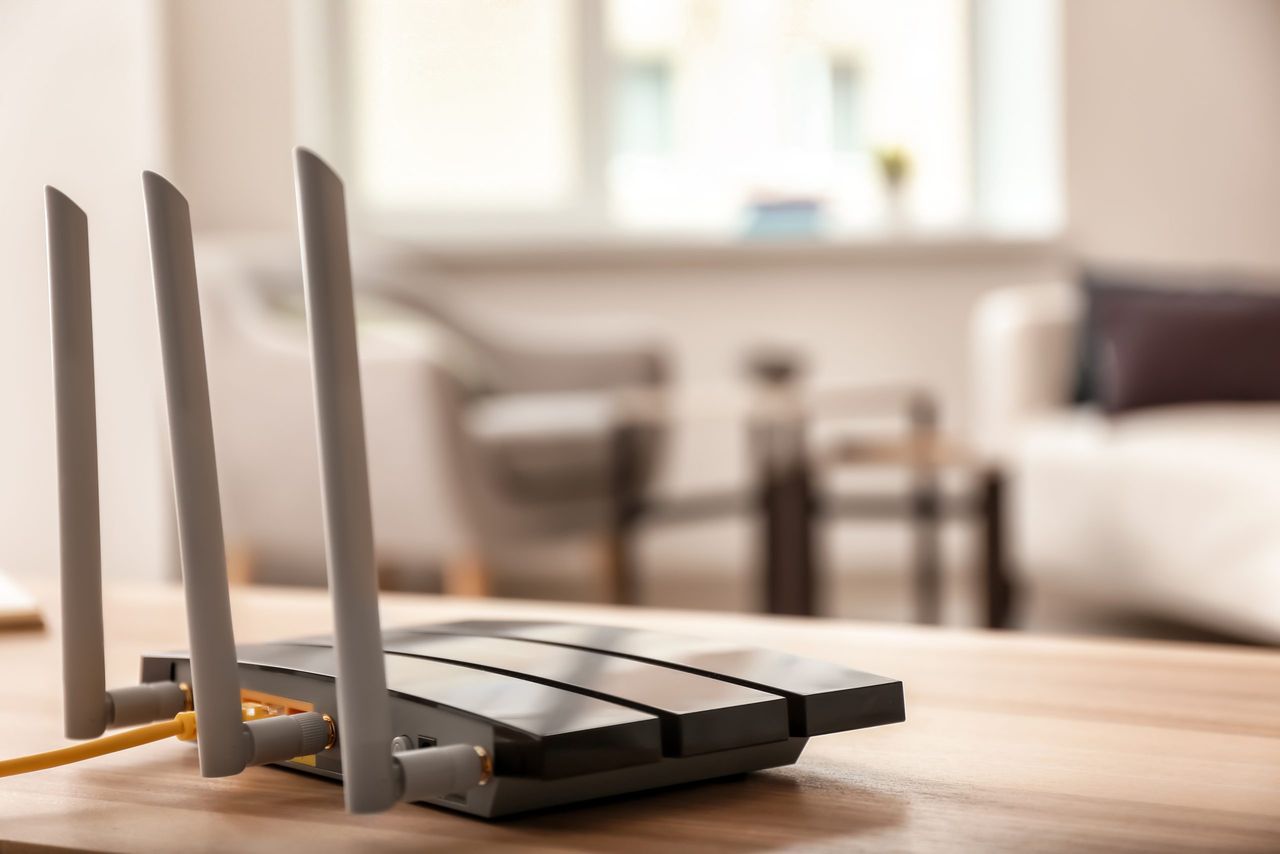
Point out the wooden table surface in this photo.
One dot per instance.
(1018, 743)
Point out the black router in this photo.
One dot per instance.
(485, 717)
(572, 712)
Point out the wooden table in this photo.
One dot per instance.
(1012, 742)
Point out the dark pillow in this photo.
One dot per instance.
(1169, 346)
(1105, 288)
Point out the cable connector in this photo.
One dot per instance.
(284, 737)
(187, 721)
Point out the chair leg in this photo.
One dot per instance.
(625, 504)
(467, 575)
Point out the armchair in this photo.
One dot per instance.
(483, 438)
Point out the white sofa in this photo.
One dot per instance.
(1171, 511)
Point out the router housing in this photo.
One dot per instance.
(573, 712)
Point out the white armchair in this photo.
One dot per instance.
(264, 424)
(483, 442)
(1171, 511)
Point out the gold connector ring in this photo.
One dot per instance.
(486, 764)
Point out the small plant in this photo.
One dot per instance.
(895, 164)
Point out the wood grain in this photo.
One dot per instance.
(1012, 742)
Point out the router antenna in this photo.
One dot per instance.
(373, 777)
(88, 707)
(364, 711)
(216, 685)
(84, 690)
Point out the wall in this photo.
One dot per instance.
(230, 64)
(1173, 130)
(80, 109)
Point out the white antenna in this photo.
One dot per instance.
(215, 683)
(373, 778)
(88, 707)
(227, 744)
(84, 688)
(364, 712)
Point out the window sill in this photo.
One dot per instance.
(528, 251)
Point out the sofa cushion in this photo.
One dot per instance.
(1171, 510)
(548, 446)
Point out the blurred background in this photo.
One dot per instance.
(742, 304)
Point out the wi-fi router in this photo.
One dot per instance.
(485, 717)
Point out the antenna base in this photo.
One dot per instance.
(142, 704)
(433, 772)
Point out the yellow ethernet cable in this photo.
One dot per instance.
(183, 726)
(273, 736)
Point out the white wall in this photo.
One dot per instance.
(79, 109)
(230, 63)
(1173, 130)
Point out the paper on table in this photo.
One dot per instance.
(17, 607)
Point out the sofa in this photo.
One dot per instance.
(1171, 511)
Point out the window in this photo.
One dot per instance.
(686, 115)
(765, 106)
(461, 104)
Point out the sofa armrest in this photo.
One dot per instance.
(1022, 356)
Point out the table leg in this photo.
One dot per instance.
(787, 510)
(999, 585)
